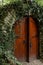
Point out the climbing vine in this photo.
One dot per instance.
(8, 15)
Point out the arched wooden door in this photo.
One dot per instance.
(33, 39)
(21, 43)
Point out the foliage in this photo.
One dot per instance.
(8, 15)
(7, 38)
(40, 2)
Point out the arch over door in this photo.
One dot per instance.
(33, 39)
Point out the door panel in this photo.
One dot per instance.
(33, 40)
(20, 46)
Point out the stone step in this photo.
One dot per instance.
(35, 62)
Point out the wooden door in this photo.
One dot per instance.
(23, 35)
(20, 42)
(33, 39)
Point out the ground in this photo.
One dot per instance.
(34, 62)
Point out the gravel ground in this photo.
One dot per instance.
(35, 62)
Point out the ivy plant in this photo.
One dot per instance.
(9, 13)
